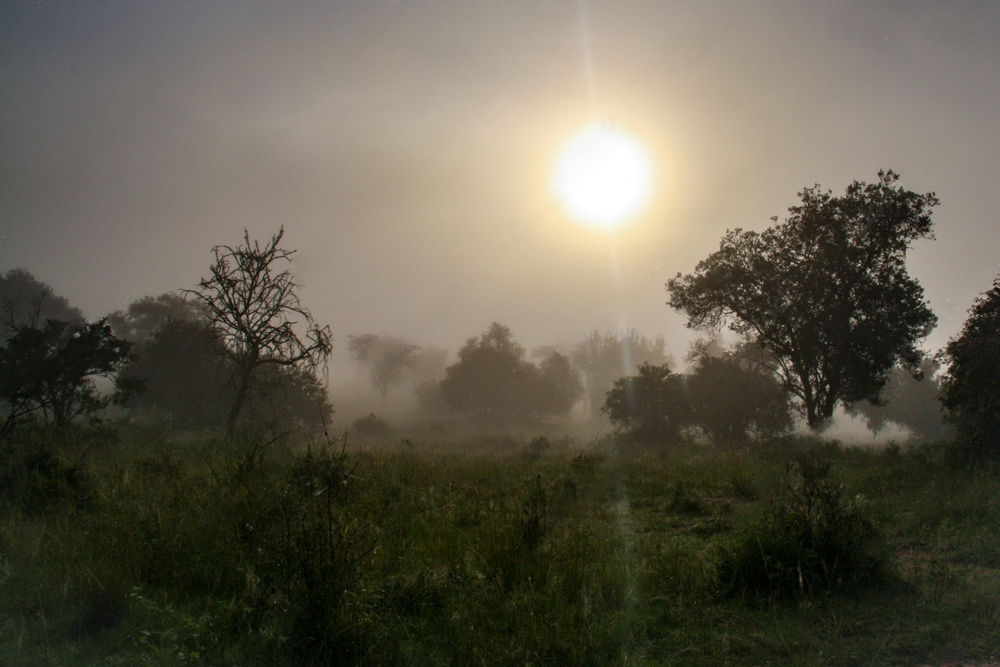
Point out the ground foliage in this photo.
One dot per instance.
(258, 551)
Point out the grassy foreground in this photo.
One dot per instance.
(253, 552)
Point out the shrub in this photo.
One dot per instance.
(371, 427)
(302, 551)
(809, 539)
(648, 408)
(537, 447)
(33, 476)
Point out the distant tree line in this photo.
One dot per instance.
(724, 399)
(824, 308)
(229, 354)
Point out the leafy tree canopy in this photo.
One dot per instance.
(183, 369)
(141, 320)
(53, 369)
(493, 383)
(27, 302)
(971, 385)
(826, 292)
(651, 407)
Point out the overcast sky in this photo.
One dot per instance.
(407, 147)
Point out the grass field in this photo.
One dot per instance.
(167, 551)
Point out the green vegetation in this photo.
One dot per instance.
(826, 292)
(971, 391)
(149, 548)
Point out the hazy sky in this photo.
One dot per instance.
(407, 147)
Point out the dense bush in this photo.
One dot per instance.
(495, 385)
(809, 539)
(371, 427)
(33, 476)
(648, 408)
(734, 401)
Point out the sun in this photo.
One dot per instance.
(603, 177)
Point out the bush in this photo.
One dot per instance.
(32, 475)
(302, 550)
(649, 408)
(371, 427)
(537, 447)
(809, 539)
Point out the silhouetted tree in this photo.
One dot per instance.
(251, 303)
(649, 408)
(292, 397)
(826, 292)
(733, 401)
(186, 371)
(914, 403)
(388, 359)
(971, 385)
(53, 368)
(183, 368)
(604, 358)
(426, 377)
(494, 384)
(143, 318)
(559, 387)
(27, 302)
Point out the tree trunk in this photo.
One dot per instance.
(239, 398)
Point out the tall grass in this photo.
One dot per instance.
(258, 550)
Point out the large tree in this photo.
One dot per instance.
(971, 386)
(252, 303)
(826, 292)
(498, 388)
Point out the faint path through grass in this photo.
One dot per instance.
(621, 510)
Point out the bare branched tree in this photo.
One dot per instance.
(251, 302)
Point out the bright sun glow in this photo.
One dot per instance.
(603, 177)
